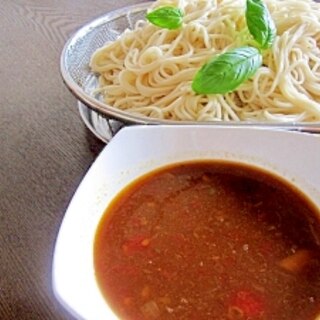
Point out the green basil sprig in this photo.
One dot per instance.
(166, 17)
(227, 71)
(260, 23)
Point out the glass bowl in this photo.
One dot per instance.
(103, 120)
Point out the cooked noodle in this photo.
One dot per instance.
(149, 70)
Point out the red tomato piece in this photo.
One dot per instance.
(250, 303)
(135, 244)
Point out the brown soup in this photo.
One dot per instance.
(210, 240)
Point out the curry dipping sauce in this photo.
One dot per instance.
(210, 240)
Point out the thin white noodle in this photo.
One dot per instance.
(149, 70)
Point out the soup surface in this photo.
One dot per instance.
(210, 240)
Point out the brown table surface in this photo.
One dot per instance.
(45, 149)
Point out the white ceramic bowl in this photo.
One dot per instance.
(139, 149)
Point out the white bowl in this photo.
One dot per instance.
(140, 149)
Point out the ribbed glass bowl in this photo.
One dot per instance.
(103, 120)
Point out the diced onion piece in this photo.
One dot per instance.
(235, 313)
(297, 261)
(150, 310)
(145, 292)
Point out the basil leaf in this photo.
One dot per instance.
(166, 17)
(260, 23)
(227, 71)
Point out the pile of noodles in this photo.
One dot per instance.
(149, 70)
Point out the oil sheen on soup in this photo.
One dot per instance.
(210, 240)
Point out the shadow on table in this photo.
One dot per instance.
(95, 145)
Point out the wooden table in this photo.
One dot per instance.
(45, 149)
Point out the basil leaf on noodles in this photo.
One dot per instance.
(260, 23)
(227, 71)
(166, 17)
